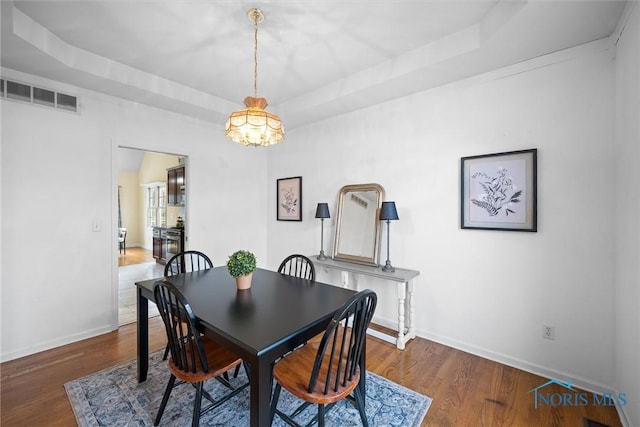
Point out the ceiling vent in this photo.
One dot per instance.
(17, 91)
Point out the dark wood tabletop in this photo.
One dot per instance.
(261, 324)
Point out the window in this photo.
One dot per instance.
(157, 205)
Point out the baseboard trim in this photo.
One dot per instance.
(624, 417)
(524, 365)
(48, 345)
(543, 371)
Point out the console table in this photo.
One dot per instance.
(404, 287)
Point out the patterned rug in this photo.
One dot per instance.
(113, 397)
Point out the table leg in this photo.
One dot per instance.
(401, 289)
(143, 336)
(345, 279)
(411, 331)
(260, 373)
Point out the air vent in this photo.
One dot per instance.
(44, 97)
(23, 92)
(18, 91)
(67, 102)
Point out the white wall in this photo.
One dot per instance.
(130, 207)
(488, 292)
(59, 176)
(627, 208)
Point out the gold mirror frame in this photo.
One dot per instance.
(365, 235)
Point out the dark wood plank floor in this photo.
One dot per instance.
(467, 390)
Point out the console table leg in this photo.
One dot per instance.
(345, 279)
(401, 289)
(411, 332)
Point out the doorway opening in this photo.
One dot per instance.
(150, 201)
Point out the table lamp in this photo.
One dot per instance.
(322, 212)
(388, 213)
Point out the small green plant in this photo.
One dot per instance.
(241, 263)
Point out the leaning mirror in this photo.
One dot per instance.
(357, 236)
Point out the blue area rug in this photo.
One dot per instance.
(113, 397)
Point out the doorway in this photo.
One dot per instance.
(142, 205)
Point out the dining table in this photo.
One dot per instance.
(261, 324)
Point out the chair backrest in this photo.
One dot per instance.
(186, 262)
(299, 266)
(343, 341)
(184, 341)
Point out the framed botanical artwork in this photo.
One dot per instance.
(289, 199)
(499, 191)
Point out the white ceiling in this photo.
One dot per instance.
(316, 58)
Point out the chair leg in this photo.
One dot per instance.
(166, 352)
(320, 415)
(360, 405)
(300, 409)
(224, 380)
(247, 371)
(274, 400)
(195, 421)
(165, 399)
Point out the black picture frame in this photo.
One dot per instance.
(289, 199)
(499, 191)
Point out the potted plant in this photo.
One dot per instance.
(241, 265)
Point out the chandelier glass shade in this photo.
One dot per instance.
(254, 125)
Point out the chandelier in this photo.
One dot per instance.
(254, 126)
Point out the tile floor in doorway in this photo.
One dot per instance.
(127, 276)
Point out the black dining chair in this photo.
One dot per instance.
(298, 266)
(185, 262)
(194, 358)
(328, 371)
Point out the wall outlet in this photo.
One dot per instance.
(549, 332)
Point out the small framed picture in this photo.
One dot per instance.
(499, 191)
(289, 199)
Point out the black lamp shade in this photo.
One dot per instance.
(322, 211)
(388, 211)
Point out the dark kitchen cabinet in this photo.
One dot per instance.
(159, 244)
(176, 184)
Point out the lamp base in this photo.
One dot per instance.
(388, 267)
(321, 256)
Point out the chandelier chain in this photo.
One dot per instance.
(255, 55)
(253, 125)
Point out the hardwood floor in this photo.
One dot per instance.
(467, 390)
(134, 256)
